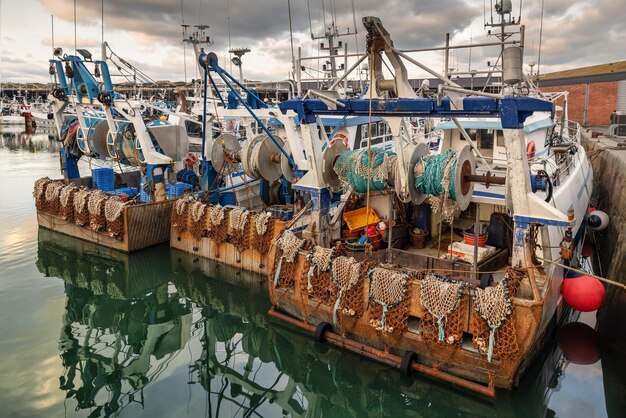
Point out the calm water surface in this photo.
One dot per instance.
(88, 332)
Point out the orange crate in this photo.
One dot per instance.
(356, 219)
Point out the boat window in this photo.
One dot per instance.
(193, 128)
(485, 139)
(472, 133)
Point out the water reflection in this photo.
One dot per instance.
(122, 323)
(127, 318)
(16, 138)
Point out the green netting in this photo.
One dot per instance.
(351, 167)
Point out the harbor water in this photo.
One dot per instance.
(90, 332)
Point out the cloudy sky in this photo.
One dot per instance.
(147, 33)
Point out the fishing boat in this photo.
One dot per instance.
(467, 304)
(125, 210)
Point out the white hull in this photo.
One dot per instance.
(12, 120)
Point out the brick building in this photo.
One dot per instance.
(594, 92)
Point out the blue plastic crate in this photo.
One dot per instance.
(128, 191)
(103, 179)
(178, 189)
(144, 197)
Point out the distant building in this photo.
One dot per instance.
(594, 92)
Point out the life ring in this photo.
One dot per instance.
(530, 150)
(340, 137)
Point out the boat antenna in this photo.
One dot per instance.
(356, 31)
(308, 5)
(540, 36)
(293, 58)
(230, 55)
(103, 46)
(75, 47)
(182, 18)
(52, 25)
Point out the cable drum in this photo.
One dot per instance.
(224, 153)
(246, 157)
(444, 176)
(330, 156)
(262, 158)
(98, 133)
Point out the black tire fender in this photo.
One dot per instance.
(320, 331)
(406, 362)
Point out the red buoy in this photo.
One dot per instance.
(583, 293)
(579, 343)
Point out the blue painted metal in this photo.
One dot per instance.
(232, 101)
(69, 163)
(527, 220)
(83, 83)
(254, 101)
(224, 75)
(512, 111)
(209, 176)
(106, 78)
(538, 183)
(219, 95)
(61, 74)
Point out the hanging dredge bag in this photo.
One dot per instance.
(440, 296)
(494, 306)
(388, 289)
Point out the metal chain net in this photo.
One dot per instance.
(53, 190)
(315, 280)
(95, 205)
(441, 296)
(263, 229)
(81, 213)
(287, 249)
(198, 227)
(180, 215)
(388, 289)
(66, 200)
(218, 229)
(493, 322)
(113, 211)
(347, 276)
(239, 233)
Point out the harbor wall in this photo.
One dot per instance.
(600, 103)
(609, 195)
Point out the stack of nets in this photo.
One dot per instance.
(388, 309)
(95, 205)
(442, 297)
(493, 322)
(113, 212)
(81, 213)
(287, 248)
(263, 228)
(180, 215)
(435, 177)
(317, 283)
(198, 219)
(352, 169)
(52, 193)
(238, 226)
(218, 226)
(347, 287)
(39, 193)
(66, 202)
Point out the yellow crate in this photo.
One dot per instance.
(356, 219)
